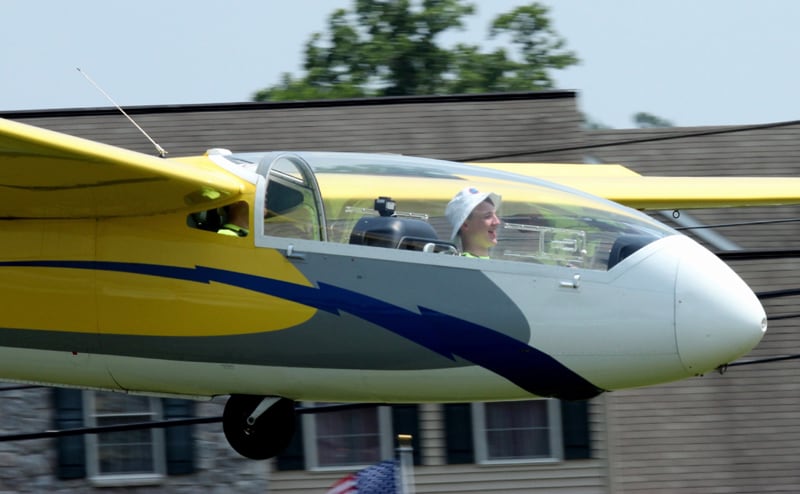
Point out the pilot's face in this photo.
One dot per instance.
(479, 231)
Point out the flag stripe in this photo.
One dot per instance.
(375, 479)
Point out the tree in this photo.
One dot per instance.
(644, 120)
(389, 48)
(590, 123)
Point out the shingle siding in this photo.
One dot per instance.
(737, 432)
(452, 128)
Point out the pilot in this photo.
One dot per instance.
(237, 220)
(473, 216)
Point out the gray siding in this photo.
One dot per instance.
(464, 128)
(584, 478)
(30, 466)
(436, 477)
(458, 128)
(737, 432)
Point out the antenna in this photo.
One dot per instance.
(159, 149)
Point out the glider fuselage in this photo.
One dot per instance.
(151, 305)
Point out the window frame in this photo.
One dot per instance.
(480, 440)
(157, 448)
(304, 181)
(310, 450)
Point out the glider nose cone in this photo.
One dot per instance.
(717, 317)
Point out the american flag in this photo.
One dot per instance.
(376, 479)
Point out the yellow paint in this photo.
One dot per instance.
(88, 301)
(47, 298)
(693, 192)
(432, 195)
(622, 185)
(545, 170)
(184, 308)
(84, 201)
(46, 174)
(136, 207)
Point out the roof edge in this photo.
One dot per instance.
(274, 105)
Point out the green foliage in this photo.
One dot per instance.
(644, 120)
(389, 48)
(590, 123)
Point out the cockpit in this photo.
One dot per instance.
(398, 202)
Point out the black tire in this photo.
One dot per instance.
(268, 437)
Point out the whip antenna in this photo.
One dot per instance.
(159, 149)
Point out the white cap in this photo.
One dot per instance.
(459, 208)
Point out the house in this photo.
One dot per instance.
(735, 432)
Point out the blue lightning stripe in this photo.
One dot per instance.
(451, 337)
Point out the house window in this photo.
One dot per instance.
(347, 438)
(124, 457)
(517, 431)
(80, 455)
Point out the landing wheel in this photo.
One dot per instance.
(268, 436)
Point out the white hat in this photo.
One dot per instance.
(459, 208)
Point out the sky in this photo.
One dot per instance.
(692, 62)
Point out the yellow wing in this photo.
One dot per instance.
(46, 174)
(622, 185)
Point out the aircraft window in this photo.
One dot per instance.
(290, 212)
(387, 230)
(209, 220)
(537, 225)
(215, 220)
(331, 196)
(287, 168)
(291, 202)
(625, 246)
(568, 235)
(542, 243)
